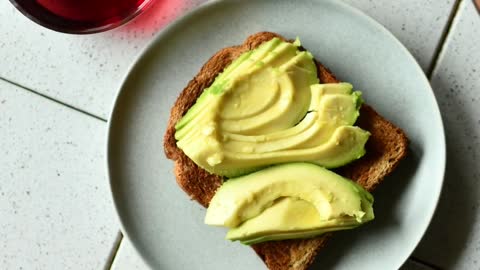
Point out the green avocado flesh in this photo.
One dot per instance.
(266, 108)
(295, 200)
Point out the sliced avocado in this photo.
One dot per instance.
(334, 88)
(296, 200)
(244, 61)
(268, 108)
(286, 89)
(319, 91)
(243, 198)
(296, 235)
(331, 111)
(243, 73)
(345, 145)
(289, 218)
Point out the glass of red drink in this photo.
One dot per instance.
(81, 16)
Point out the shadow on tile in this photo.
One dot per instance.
(451, 228)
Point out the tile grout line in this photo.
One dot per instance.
(54, 100)
(443, 39)
(119, 238)
(113, 253)
(436, 57)
(435, 61)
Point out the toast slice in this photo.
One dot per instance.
(385, 148)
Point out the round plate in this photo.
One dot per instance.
(167, 228)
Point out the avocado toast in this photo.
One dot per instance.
(385, 148)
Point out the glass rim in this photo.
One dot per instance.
(142, 7)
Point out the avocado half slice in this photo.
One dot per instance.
(295, 200)
(267, 108)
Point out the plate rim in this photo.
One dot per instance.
(211, 3)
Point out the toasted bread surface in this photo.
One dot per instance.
(386, 147)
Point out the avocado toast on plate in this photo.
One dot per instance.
(201, 168)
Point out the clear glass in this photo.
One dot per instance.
(81, 16)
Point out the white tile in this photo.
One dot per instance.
(127, 258)
(55, 205)
(84, 71)
(417, 24)
(81, 70)
(453, 239)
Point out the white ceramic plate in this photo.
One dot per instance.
(167, 228)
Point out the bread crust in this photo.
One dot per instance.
(386, 147)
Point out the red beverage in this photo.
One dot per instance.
(80, 16)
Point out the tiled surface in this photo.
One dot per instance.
(127, 258)
(453, 239)
(418, 24)
(83, 71)
(55, 204)
(54, 64)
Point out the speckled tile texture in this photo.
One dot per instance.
(418, 24)
(453, 239)
(127, 258)
(55, 204)
(81, 70)
(85, 71)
